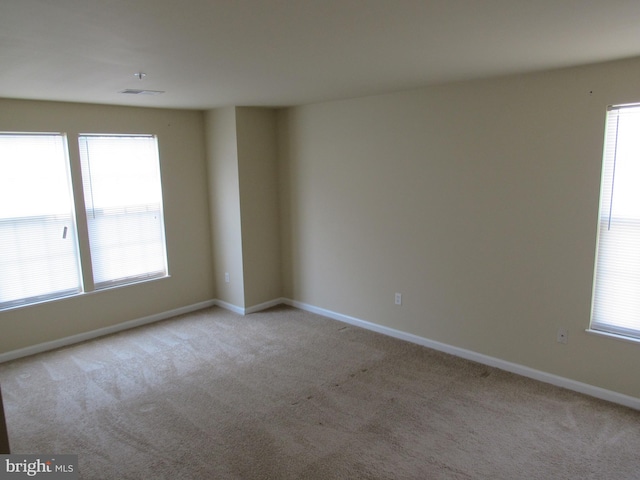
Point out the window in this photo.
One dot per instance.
(123, 200)
(616, 299)
(40, 255)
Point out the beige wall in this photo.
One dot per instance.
(257, 163)
(181, 144)
(224, 204)
(243, 186)
(477, 201)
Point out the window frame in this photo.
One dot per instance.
(88, 199)
(604, 319)
(79, 222)
(36, 215)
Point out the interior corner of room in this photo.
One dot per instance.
(475, 201)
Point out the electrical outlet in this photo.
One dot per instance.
(398, 299)
(563, 335)
(226, 277)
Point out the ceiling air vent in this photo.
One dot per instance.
(134, 91)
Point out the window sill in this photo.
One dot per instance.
(84, 294)
(614, 336)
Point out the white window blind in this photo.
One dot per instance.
(38, 247)
(616, 299)
(123, 199)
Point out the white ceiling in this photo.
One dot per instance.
(209, 53)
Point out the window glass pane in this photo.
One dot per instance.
(123, 198)
(38, 247)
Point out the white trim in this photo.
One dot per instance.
(591, 390)
(264, 305)
(545, 377)
(100, 332)
(256, 308)
(229, 306)
(82, 337)
(615, 336)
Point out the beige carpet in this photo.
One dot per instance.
(285, 394)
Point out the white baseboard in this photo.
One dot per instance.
(81, 337)
(248, 310)
(585, 388)
(264, 305)
(545, 377)
(230, 306)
